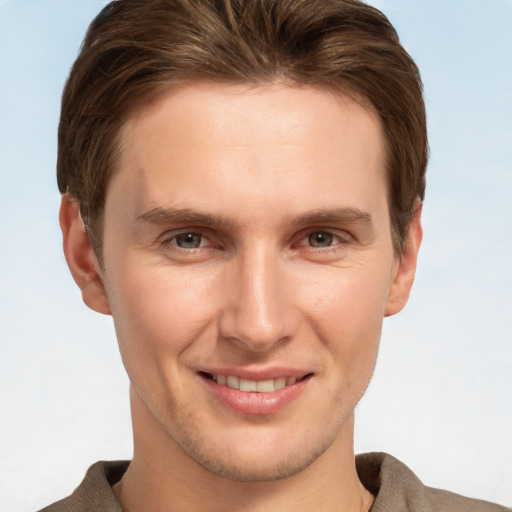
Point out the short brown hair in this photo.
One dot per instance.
(134, 48)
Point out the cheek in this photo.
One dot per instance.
(346, 311)
(157, 312)
(345, 299)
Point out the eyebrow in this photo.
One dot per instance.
(160, 215)
(334, 216)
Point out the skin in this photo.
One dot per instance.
(283, 189)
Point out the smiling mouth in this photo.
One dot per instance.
(254, 386)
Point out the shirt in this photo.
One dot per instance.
(395, 487)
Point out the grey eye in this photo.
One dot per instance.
(320, 239)
(189, 240)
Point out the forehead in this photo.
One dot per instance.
(212, 108)
(269, 143)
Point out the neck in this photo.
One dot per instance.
(162, 477)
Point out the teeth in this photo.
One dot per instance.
(232, 382)
(266, 386)
(262, 386)
(247, 385)
(280, 383)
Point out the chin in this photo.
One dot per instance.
(256, 465)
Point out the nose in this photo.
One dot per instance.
(259, 312)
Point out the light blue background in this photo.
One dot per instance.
(441, 399)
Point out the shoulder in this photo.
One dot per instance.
(95, 492)
(398, 489)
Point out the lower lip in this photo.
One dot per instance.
(256, 404)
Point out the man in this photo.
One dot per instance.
(242, 185)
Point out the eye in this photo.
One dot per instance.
(321, 239)
(321, 243)
(190, 246)
(188, 240)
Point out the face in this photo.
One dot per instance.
(248, 265)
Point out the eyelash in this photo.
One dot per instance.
(336, 240)
(171, 241)
(339, 242)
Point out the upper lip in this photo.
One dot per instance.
(258, 374)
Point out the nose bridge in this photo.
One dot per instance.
(259, 313)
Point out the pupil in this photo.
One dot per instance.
(320, 239)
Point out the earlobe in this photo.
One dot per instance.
(405, 270)
(80, 256)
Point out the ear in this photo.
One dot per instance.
(80, 256)
(405, 266)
